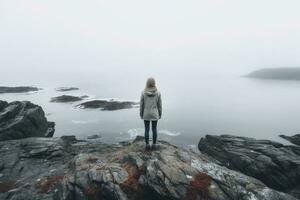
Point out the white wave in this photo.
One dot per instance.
(85, 122)
(140, 131)
(135, 132)
(169, 133)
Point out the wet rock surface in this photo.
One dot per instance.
(66, 168)
(275, 164)
(66, 89)
(107, 105)
(67, 98)
(295, 139)
(21, 119)
(20, 89)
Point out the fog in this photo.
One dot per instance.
(197, 50)
(50, 36)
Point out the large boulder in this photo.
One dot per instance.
(295, 139)
(21, 119)
(67, 169)
(275, 164)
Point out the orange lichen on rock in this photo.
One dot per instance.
(131, 185)
(46, 184)
(199, 186)
(6, 186)
(93, 192)
(92, 159)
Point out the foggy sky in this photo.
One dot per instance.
(54, 35)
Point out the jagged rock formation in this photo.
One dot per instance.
(275, 164)
(67, 98)
(20, 89)
(107, 105)
(21, 119)
(295, 139)
(67, 169)
(283, 73)
(66, 89)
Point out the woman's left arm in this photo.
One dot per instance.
(159, 105)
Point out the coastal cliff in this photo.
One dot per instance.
(66, 168)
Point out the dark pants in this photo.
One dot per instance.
(154, 131)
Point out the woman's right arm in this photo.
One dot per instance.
(142, 105)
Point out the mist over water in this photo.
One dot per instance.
(193, 105)
(196, 50)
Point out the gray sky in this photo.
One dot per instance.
(55, 35)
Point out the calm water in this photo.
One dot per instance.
(195, 103)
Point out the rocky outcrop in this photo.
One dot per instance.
(107, 105)
(20, 89)
(283, 73)
(21, 119)
(66, 89)
(67, 98)
(275, 164)
(295, 139)
(67, 169)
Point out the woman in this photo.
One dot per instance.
(150, 110)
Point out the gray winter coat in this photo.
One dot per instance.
(150, 105)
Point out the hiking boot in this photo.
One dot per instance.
(154, 146)
(147, 147)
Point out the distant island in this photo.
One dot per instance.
(282, 73)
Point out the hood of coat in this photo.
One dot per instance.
(150, 91)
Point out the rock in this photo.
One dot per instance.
(20, 89)
(67, 98)
(93, 137)
(50, 130)
(66, 89)
(68, 139)
(21, 119)
(94, 170)
(295, 139)
(107, 105)
(283, 73)
(275, 164)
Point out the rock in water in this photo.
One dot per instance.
(275, 164)
(20, 89)
(85, 170)
(295, 139)
(21, 119)
(67, 98)
(66, 89)
(93, 137)
(107, 105)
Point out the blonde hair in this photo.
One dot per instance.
(150, 85)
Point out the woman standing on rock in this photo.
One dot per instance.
(150, 110)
